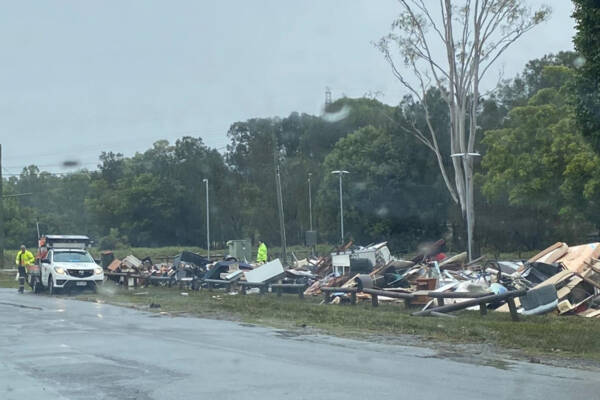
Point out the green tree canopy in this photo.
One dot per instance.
(540, 164)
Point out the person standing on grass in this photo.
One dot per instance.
(24, 259)
(261, 255)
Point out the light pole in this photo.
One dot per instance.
(468, 205)
(207, 220)
(340, 173)
(309, 203)
(312, 241)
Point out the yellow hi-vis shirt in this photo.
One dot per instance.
(24, 258)
(261, 256)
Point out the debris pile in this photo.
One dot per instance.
(561, 279)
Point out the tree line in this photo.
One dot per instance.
(538, 180)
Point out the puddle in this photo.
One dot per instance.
(472, 360)
(500, 364)
(289, 334)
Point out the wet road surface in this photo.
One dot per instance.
(56, 348)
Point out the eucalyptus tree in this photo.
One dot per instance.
(451, 45)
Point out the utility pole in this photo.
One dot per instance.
(340, 174)
(279, 200)
(1, 214)
(207, 220)
(281, 216)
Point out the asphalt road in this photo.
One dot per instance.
(56, 348)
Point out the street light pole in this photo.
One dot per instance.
(340, 173)
(309, 203)
(468, 205)
(207, 220)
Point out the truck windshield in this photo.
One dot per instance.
(73, 256)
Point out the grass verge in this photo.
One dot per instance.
(7, 279)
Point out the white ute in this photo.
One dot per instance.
(66, 264)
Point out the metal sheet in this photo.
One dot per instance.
(266, 272)
(340, 260)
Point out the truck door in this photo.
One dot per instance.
(45, 267)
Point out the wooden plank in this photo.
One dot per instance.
(588, 280)
(350, 282)
(459, 258)
(575, 306)
(339, 289)
(590, 313)
(576, 258)
(394, 295)
(548, 250)
(566, 290)
(457, 295)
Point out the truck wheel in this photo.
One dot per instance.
(37, 286)
(51, 290)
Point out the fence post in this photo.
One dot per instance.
(513, 309)
(374, 300)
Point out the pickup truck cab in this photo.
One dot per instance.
(67, 265)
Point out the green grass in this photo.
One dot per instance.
(7, 279)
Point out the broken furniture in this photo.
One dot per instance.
(228, 284)
(481, 301)
(262, 286)
(293, 287)
(374, 293)
(329, 291)
(540, 300)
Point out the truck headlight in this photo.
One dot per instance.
(98, 271)
(59, 270)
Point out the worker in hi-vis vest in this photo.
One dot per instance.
(24, 259)
(261, 255)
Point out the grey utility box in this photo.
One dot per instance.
(240, 249)
(311, 238)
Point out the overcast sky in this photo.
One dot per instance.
(78, 77)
